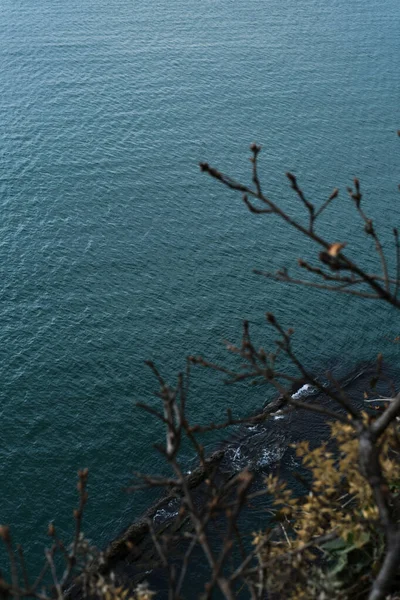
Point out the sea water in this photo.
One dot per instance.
(114, 248)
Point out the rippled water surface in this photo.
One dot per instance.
(114, 248)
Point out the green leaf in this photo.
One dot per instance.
(335, 545)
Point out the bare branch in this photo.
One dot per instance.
(336, 260)
(383, 422)
(333, 195)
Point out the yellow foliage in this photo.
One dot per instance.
(339, 504)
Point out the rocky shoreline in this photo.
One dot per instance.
(132, 557)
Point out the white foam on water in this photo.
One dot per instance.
(278, 415)
(269, 455)
(305, 390)
(163, 514)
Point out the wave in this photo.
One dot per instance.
(170, 511)
(306, 390)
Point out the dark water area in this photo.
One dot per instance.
(115, 249)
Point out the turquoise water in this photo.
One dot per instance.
(115, 248)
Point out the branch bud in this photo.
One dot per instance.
(291, 178)
(255, 148)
